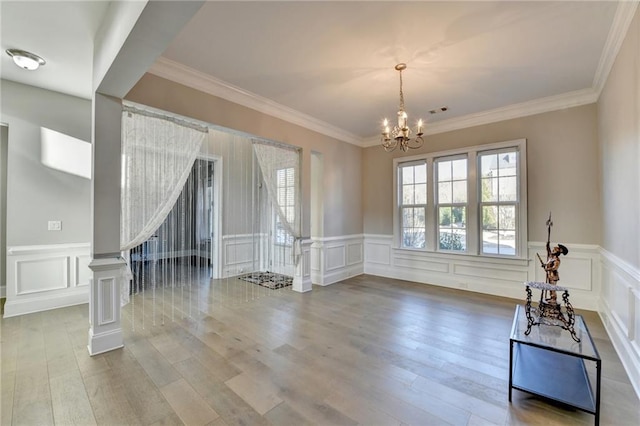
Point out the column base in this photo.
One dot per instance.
(105, 342)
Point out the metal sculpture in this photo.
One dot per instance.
(549, 311)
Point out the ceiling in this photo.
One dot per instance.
(330, 65)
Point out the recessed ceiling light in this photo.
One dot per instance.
(26, 60)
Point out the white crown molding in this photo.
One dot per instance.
(619, 28)
(187, 76)
(536, 106)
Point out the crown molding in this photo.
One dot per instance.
(619, 28)
(187, 76)
(536, 106)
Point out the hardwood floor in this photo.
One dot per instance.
(368, 350)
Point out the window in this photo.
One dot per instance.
(452, 203)
(285, 187)
(475, 204)
(499, 201)
(413, 204)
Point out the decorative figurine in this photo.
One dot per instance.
(549, 311)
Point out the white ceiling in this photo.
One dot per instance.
(60, 32)
(330, 64)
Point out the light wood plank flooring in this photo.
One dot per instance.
(369, 350)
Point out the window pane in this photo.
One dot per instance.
(507, 217)
(407, 218)
(420, 173)
(489, 242)
(408, 194)
(459, 169)
(407, 175)
(413, 238)
(420, 192)
(489, 190)
(489, 217)
(444, 193)
(507, 163)
(458, 217)
(418, 218)
(488, 165)
(452, 239)
(444, 171)
(444, 217)
(508, 188)
(460, 191)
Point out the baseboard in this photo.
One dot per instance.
(44, 302)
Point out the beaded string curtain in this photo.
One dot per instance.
(280, 167)
(207, 240)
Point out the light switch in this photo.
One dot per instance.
(55, 225)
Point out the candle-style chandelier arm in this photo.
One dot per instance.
(400, 136)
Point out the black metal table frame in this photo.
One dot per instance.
(596, 359)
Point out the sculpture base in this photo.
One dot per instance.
(549, 312)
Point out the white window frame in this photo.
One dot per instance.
(474, 228)
(400, 206)
(438, 203)
(288, 239)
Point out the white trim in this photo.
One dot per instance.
(190, 77)
(336, 258)
(623, 265)
(104, 342)
(44, 302)
(496, 276)
(22, 250)
(619, 310)
(338, 238)
(45, 277)
(474, 246)
(621, 22)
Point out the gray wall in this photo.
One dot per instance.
(562, 172)
(619, 136)
(35, 193)
(342, 161)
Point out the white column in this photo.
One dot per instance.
(302, 274)
(105, 329)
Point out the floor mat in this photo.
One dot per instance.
(268, 279)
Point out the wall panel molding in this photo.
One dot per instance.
(489, 275)
(334, 259)
(619, 310)
(46, 277)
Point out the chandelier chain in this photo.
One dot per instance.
(401, 94)
(400, 135)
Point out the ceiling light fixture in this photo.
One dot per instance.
(26, 60)
(400, 136)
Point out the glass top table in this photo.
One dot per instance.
(549, 363)
(554, 338)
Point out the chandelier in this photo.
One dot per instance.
(400, 135)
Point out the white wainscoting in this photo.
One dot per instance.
(239, 252)
(46, 277)
(336, 258)
(497, 276)
(620, 311)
